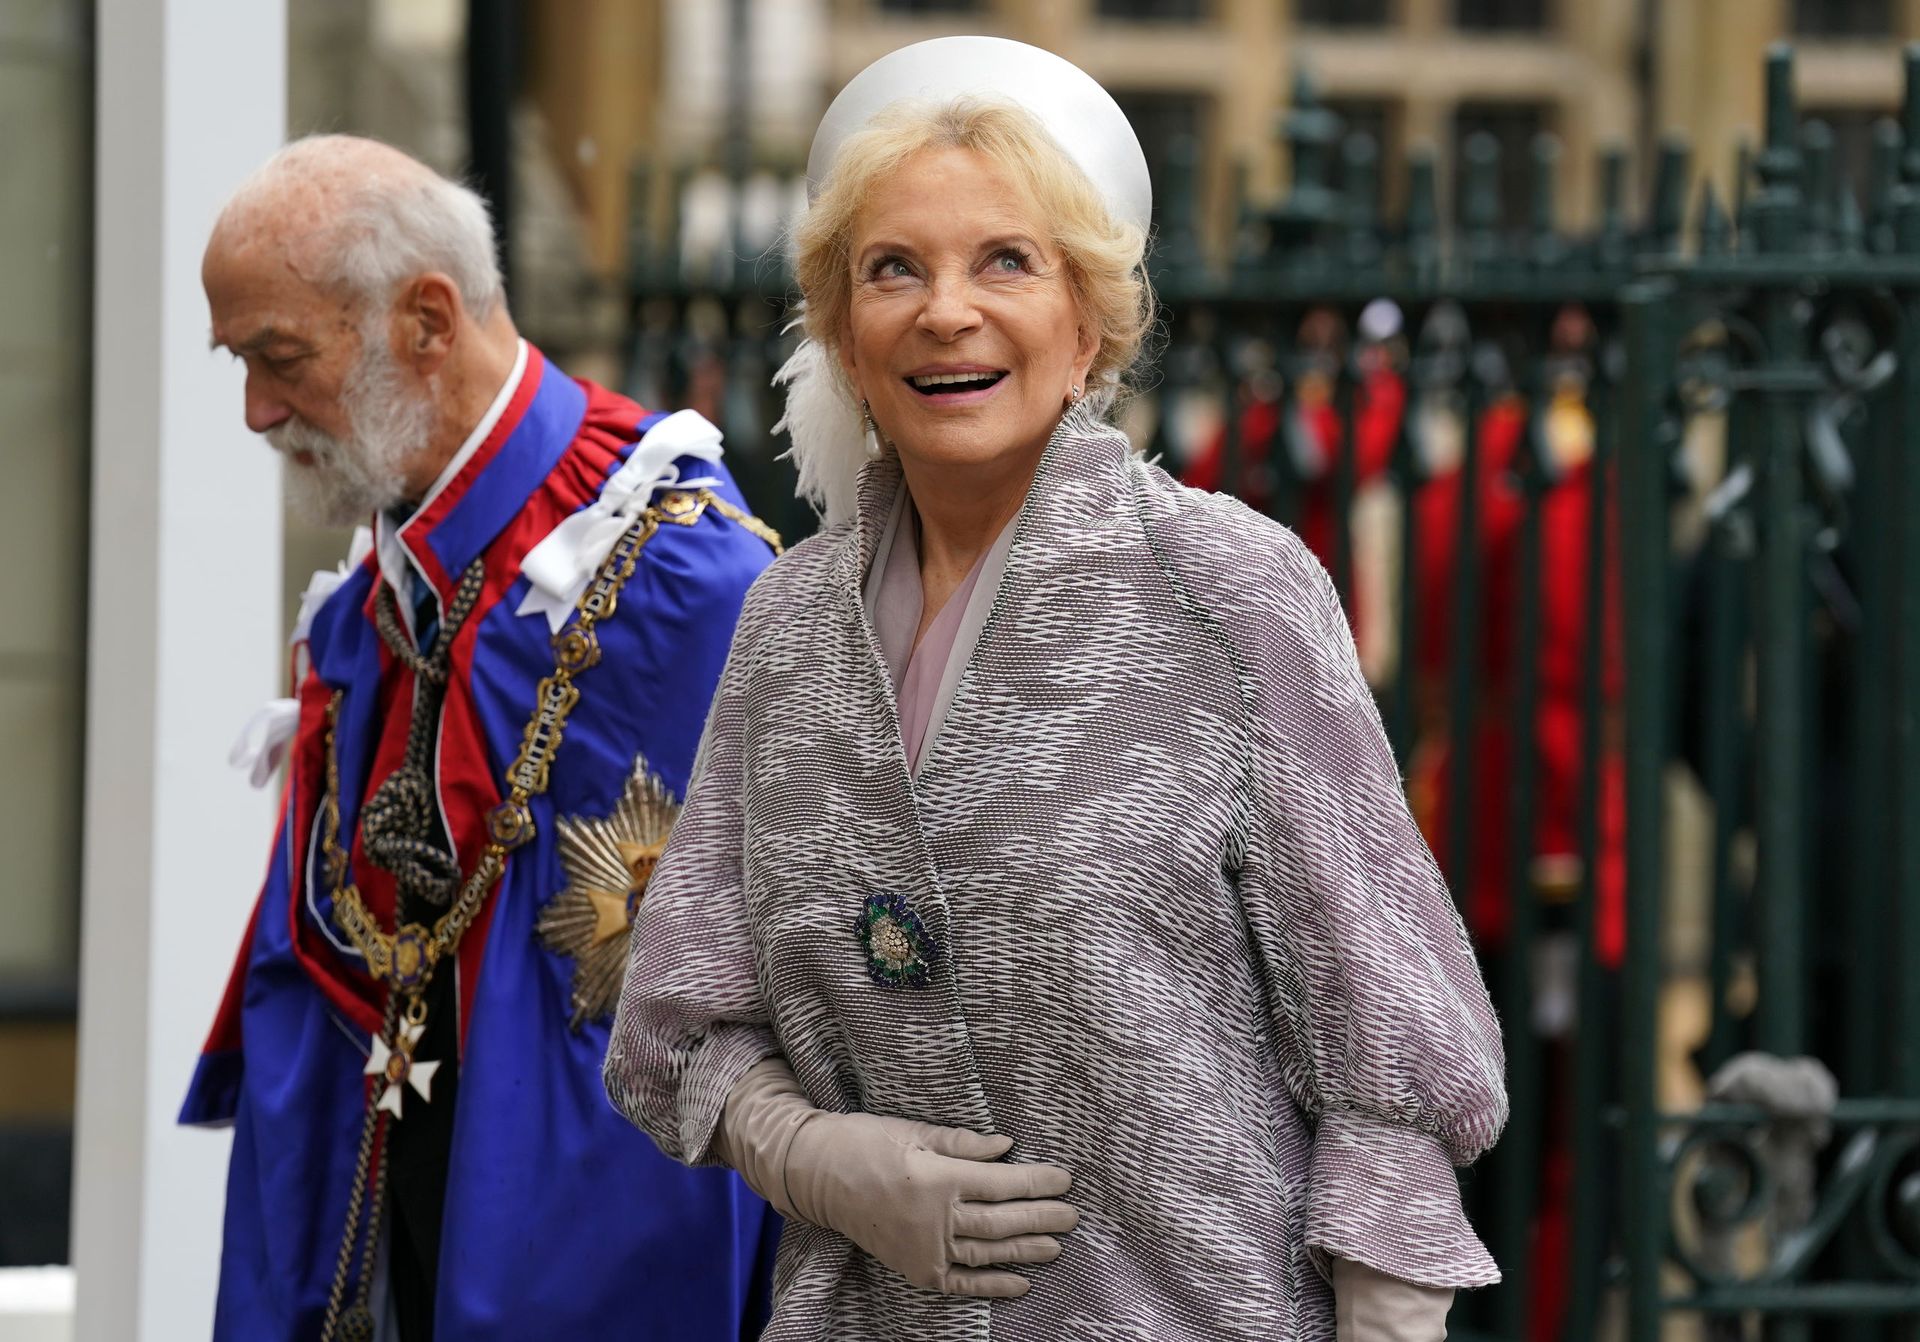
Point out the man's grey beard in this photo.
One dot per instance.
(350, 479)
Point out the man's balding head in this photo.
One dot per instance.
(360, 218)
(362, 290)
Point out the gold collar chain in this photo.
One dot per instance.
(406, 957)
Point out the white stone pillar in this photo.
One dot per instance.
(182, 645)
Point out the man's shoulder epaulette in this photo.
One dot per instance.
(685, 508)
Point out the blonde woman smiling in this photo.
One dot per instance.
(1045, 934)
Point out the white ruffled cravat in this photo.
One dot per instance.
(559, 568)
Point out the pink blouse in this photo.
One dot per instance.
(925, 674)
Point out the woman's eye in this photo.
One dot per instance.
(1010, 262)
(890, 268)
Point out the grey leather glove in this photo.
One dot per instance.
(932, 1203)
(1370, 1306)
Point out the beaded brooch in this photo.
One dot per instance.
(900, 950)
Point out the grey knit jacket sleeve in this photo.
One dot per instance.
(1386, 1037)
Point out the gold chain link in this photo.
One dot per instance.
(406, 957)
(753, 525)
(356, 1204)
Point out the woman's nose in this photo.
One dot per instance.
(950, 311)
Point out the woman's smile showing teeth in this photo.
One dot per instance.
(955, 384)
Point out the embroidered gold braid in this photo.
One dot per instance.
(405, 958)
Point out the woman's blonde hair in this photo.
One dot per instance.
(1104, 256)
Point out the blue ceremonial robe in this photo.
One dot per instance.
(560, 1220)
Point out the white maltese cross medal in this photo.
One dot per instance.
(398, 1068)
(608, 864)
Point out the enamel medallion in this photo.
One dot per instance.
(396, 1067)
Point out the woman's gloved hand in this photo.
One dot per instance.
(1370, 1306)
(932, 1203)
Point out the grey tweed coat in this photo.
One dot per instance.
(1180, 934)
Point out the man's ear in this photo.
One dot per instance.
(429, 313)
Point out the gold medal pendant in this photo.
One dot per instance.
(608, 864)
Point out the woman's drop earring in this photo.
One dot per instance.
(1073, 397)
(873, 431)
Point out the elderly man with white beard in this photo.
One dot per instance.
(496, 706)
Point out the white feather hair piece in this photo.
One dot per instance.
(826, 429)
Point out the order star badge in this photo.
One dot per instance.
(399, 1069)
(608, 864)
